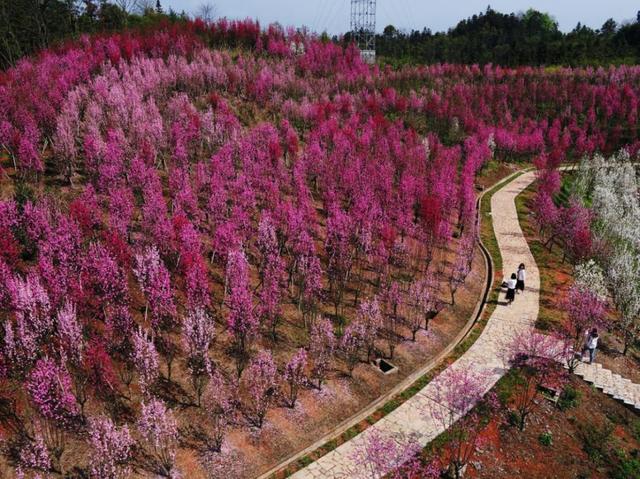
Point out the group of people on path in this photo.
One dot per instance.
(515, 285)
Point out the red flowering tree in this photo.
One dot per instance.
(537, 362)
(462, 412)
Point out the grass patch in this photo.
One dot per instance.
(555, 275)
(506, 386)
(595, 441)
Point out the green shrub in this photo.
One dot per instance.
(569, 398)
(627, 467)
(513, 418)
(595, 441)
(546, 439)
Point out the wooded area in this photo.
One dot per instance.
(532, 38)
(27, 26)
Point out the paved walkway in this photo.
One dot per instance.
(610, 383)
(414, 420)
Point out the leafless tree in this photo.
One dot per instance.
(207, 12)
(128, 5)
(144, 6)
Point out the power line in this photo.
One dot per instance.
(331, 13)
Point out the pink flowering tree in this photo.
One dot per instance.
(159, 431)
(34, 321)
(121, 210)
(198, 335)
(49, 388)
(351, 345)
(111, 448)
(104, 282)
(322, 343)
(306, 275)
(393, 300)
(50, 391)
(459, 273)
(145, 359)
(219, 404)
(295, 377)
(377, 454)
(369, 322)
(536, 359)
(260, 385)
(34, 454)
(421, 305)
(584, 310)
(73, 352)
(340, 253)
(272, 292)
(461, 411)
(70, 335)
(241, 321)
(154, 281)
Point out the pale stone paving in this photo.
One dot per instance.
(610, 383)
(413, 420)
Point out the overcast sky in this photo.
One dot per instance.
(438, 15)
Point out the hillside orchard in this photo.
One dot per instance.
(201, 218)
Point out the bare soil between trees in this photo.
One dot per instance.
(319, 412)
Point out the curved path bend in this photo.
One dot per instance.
(413, 421)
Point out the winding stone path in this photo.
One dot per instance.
(413, 420)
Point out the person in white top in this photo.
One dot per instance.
(591, 344)
(511, 289)
(521, 276)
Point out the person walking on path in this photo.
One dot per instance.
(511, 289)
(591, 344)
(521, 277)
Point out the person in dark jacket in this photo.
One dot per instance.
(511, 289)
(521, 277)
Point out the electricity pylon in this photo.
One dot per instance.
(363, 27)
